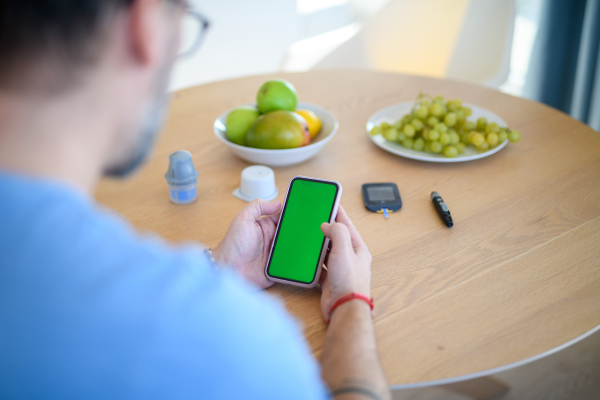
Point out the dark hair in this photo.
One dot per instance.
(67, 31)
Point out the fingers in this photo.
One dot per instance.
(357, 241)
(258, 208)
(342, 217)
(274, 217)
(339, 235)
(326, 229)
(323, 277)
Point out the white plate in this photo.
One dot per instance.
(393, 113)
(284, 157)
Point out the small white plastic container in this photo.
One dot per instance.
(258, 182)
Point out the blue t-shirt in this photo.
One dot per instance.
(91, 309)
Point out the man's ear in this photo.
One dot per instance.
(144, 37)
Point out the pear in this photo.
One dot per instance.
(276, 94)
(239, 122)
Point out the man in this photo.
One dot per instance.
(90, 309)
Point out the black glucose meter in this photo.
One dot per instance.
(381, 198)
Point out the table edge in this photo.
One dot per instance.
(496, 370)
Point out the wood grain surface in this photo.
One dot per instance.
(518, 274)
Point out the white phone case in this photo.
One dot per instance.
(325, 243)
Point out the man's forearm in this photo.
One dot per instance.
(349, 360)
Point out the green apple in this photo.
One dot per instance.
(239, 122)
(276, 94)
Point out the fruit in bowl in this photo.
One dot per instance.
(278, 130)
(313, 121)
(282, 157)
(274, 123)
(239, 122)
(276, 94)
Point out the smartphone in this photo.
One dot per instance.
(299, 246)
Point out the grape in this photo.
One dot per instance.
(408, 143)
(427, 147)
(471, 135)
(492, 127)
(422, 112)
(481, 123)
(436, 147)
(436, 110)
(409, 130)
(483, 146)
(445, 138)
(454, 138)
(434, 134)
(390, 134)
(441, 127)
(450, 151)
(502, 136)
(478, 139)
(417, 123)
(469, 126)
(514, 136)
(418, 144)
(433, 121)
(464, 138)
(451, 105)
(450, 119)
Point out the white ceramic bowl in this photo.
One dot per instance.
(282, 158)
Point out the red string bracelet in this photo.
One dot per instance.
(348, 297)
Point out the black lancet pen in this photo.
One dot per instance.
(442, 209)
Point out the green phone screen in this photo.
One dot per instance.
(299, 238)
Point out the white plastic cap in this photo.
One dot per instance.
(258, 182)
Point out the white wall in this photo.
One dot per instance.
(245, 38)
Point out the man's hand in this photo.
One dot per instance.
(348, 263)
(247, 243)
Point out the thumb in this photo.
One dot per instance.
(326, 229)
(259, 207)
(338, 233)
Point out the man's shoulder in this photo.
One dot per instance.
(52, 231)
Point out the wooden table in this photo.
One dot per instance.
(516, 277)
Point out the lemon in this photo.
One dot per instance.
(314, 122)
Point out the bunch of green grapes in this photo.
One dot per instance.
(441, 127)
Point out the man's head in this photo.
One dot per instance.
(114, 56)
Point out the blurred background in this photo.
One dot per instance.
(545, 50)
(482, 41)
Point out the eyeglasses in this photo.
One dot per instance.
(193, 31)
